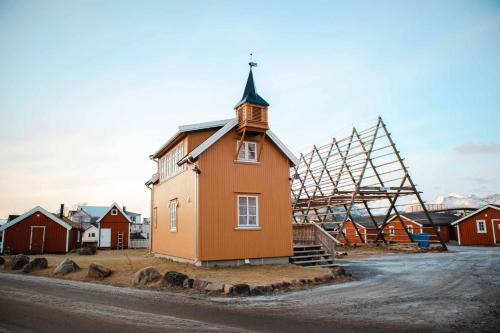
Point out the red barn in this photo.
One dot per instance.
(38, 231)
(114, 228)
(481, 227)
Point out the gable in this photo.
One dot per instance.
(35, 210)
(108, 217)
(475, 213)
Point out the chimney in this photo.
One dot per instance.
(61, 212)
(124, 209)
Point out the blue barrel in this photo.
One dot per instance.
(422, 239)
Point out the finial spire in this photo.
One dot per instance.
(250, 94)
(251, 63)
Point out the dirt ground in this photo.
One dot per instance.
(124, 263)
(359, 251)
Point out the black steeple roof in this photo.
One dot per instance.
(250, 94)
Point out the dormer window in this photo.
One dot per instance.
(247, 151)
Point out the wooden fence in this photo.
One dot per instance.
(139, 243)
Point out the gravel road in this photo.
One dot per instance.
(457, 291)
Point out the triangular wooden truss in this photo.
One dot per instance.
(361, 174)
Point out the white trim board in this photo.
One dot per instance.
(40, 210)
(114, 205)
(474, 213)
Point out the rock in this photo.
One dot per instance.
(241, 289)
(146, 276)
(261, 290)
(2, 260)
(338, 270)
(86, 251)
(16, 262)
(35, 265)
(173, 279)
(199, 284)
(328, 277)
(282, 285)
(228, 289)
(65, 267)
(98, 271)
(214, 287)
(187, 283)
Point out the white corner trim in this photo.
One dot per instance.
(458, 233)
(67, 241)
(4, 232)
(114, 205)
(37, 209)
(493, 229)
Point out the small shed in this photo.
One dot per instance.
(39, 231)
(481, 227)
(114, 228)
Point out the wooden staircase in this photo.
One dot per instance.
(311, 255)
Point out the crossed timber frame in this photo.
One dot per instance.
(362, 174)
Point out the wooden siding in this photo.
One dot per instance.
(194, 139)
(179, 243)
(220, 180)
(351, 235)
(117, 223)
(17, 237)
(467, 229)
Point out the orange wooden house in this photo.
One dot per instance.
(222, 192)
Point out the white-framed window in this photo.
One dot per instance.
(391, 230)
(248, 211)
(247, 152)
(173, 215)
(481, 226)
(168, 163)
(154, 217)
(410, 229)
(114, 211)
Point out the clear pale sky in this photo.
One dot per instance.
(88, 89)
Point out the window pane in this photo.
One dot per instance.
(252, 220)
(252, 201)
(243, 220)
(251, 150)
(242, 210)
(252, 211)
(241, 154)
(242, 201)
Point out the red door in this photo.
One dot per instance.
(37, 239)
(496, 229)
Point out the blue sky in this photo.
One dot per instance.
(88, 89)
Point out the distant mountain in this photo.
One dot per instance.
(454, 200)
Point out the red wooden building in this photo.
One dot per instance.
(39, 231)
(481, 227)
(114, 228)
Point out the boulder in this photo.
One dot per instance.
(328, 277)
(65, 267)
(338, 270)
(2, 260)
(261, 290)
(188, 283)
(98, 271)
(16, 262)
(214, 287)
(35, 265)
(228, 289)
(241, 289)
(86, 251)
(282, 285)
(199, 284)
(173, 279)
(146, 276)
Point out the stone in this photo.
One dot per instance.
(241, 289)
(261, 290)
(65, 267)
(187, 283)
(98, 271)
(328, 277)
(2, 260)
(16, 262)
(214, 287)
(173, 279)
(199, 284)
(86, 251)
(338, 270)
(282, 285)
(146, 276)
(228, 289)
(35, 265)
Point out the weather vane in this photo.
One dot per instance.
(251, 63)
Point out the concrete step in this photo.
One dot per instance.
(316, 261)
(308, 251)
(324, 255)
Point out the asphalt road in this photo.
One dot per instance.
(451, 292)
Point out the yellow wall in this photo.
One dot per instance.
(180, 243)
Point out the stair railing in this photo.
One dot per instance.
(325, 239)
(313, 233)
